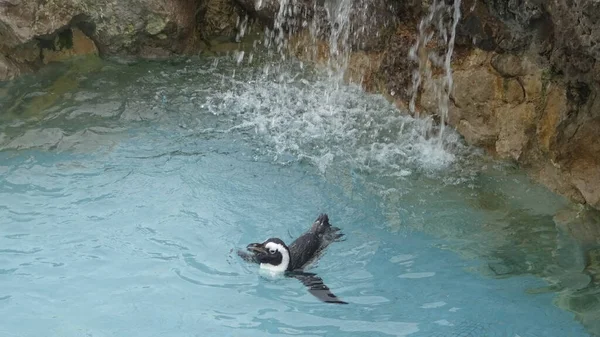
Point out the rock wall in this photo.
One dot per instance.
(537, 99)
(33, 33)
(526, 77)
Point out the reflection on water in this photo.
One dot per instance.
(77, 120)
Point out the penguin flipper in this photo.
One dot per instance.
(316, 287)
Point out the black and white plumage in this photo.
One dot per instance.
(276, 256)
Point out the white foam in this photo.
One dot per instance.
(326, 123)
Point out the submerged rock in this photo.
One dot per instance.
(8, 69)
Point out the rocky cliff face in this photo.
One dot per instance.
(525, 72)
(534, 64)
(36, 32)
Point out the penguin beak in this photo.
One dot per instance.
(256, 248)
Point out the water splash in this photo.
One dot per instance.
(302, 118)
(296, 117)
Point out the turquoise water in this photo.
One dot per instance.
(123, 200)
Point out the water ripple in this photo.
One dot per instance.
(115, 226)
(192, 262)
(301, 320)
(15, 251)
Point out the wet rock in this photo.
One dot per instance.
(515, 123)
(155, 24)
(218, 18)
(79, 45)
(552, 176)
(371, 23)
(8, 69)
(477, 133)
(500, 269)
(265, 10)
(37, 138)
(155, 53)
(582, 223)
(554, 113)
(593, 264)
(586, 177)
(520, 12)
(513, 92)
(474, 86)
(509, 65)
(535, 85)
(481, 28)
(576, 35)
(395, 71)
(64, 28)
(361, 68)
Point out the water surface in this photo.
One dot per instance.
(125, 191)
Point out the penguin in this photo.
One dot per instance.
(275, 256)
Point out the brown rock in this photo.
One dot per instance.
(515, 123)
(533, 85)
(508, 65)
(80, 45)
(582, 223)
(474, 86)
(429, 100)
(25, 53)
(552, 115)
(21, 21)
(220, 17)
(479, 134)
(8, 69)
(361, 67)
(513, 92)
(552, 176)
(580, 155)
(396, 69)
(117, 27)
(155, 53)
(472, 59)
(586, 177)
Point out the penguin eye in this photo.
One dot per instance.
(272, 251)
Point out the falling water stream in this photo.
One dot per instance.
(125, 190)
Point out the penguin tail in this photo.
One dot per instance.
(322, 226)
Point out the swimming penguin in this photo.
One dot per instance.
(275, 256)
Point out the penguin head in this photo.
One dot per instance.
(272, 254)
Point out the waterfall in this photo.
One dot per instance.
(437, 28)
(326, 121)
(340, 22)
